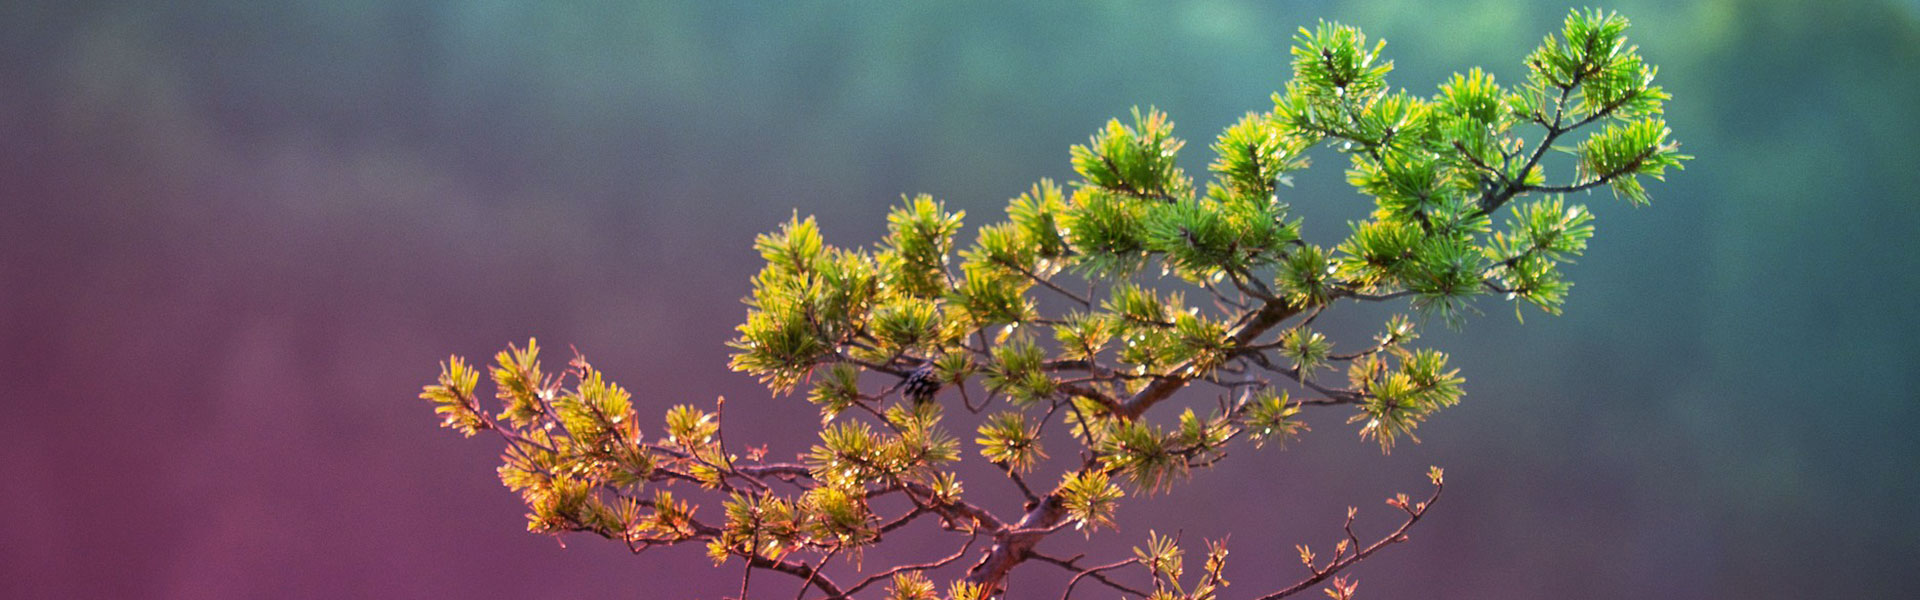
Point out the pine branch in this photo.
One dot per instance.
(827, 318)
(1338, 563)
(1269, 315)
(1093, 572)
(870, 580)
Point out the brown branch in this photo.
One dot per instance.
(1014, 545)
(1475, 161)
(1025, 492)
(747, 574)
(1269, 315)
(953, 510)
(1331, 395)
(1630, 167)
(1127, 188)
(1399, 535)
(967, 401)
(1094, 572)
(870, 580)
(1075, 389)
(1375, 297)
(810, 575)
(1010, 548)
(1222, 302)
(1513, 187)
(899, 522)
(808, 582)
(1386, 341)
(1251, 286)
(1083, 301)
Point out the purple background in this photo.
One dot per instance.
(237, 236)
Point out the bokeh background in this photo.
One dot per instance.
(235, 238)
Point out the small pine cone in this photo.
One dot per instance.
(921, 384)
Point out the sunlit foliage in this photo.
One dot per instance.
(1166, 288)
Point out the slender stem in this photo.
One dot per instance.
(811, 575)
(870, 580)
(1048, 282)
(1094, 572)
(1399, 535)
(747, 574)
(1025, 492)
(815, 572)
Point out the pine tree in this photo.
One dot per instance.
(887, 340)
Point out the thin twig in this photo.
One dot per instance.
(815, 573)
(1094, 572)
(1398, 535)
(870, 580)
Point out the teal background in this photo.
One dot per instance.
(237, 236)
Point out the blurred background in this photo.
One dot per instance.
(236, 237)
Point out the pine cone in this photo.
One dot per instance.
(921, 384)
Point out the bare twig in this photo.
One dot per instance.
(1399, 535)
(815, 572)
(1094, 572)
(870, 580)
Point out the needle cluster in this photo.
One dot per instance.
(1158, 291)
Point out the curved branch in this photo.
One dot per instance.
(1269, 315)
(1414, 513)
(871, 579)
(809, 575)
(816, 572)
(1331, 395)
(1093, 572)
(1010, 548)
(1082, 300)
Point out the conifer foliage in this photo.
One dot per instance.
(1161, 287)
